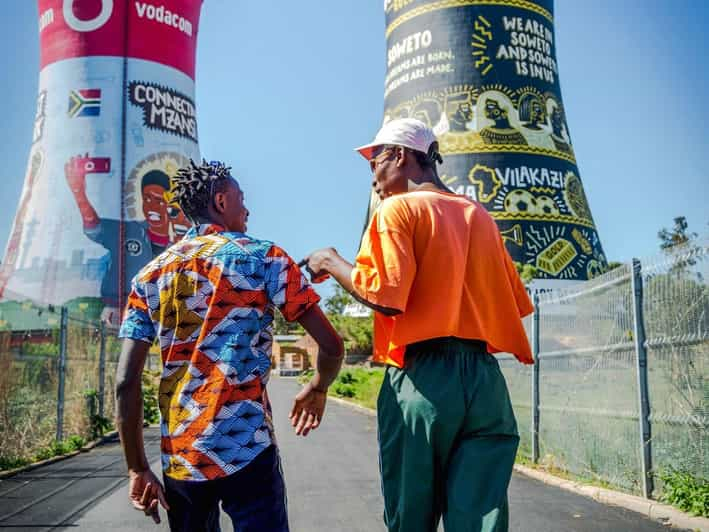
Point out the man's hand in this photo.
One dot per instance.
(75, 174)
(145, 492)
(319, 264)
(308, 409)
(77, 168)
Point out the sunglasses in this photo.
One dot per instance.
(380, 150)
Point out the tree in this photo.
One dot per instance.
(527, 272)
(613, 264)
(337, 302)
(281, 326)
(671, 239)
(356, 332)
(676, 304)
(677, 235)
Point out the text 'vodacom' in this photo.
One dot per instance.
(164, 15)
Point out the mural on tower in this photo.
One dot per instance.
(115, 119)
(483, 75)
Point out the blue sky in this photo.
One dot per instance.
(285, 90)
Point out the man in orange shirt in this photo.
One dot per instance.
(446, 296)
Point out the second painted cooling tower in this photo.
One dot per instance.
(485, 73)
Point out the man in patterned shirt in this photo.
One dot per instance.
(210, 301)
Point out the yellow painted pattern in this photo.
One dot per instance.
(563, 218)
(582, 241)
(507, 148)
(445, 4)
(556, 257)
(496, 183)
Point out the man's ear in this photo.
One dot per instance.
(401, 156)
(220, 202)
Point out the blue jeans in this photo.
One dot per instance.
(254, 498)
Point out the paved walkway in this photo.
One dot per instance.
(332, 479)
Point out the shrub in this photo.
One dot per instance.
(345, 390)
(12, 462)
(346, 377)
(151, 409)
(685, 491)
(75, 442)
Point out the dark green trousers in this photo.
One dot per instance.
(447, 439)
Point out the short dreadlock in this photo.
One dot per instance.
(193, 187)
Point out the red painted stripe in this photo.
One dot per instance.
(90, 93)
(156, 31)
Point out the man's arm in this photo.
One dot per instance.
(75, 172)
(330, 347)
(145, 490)
(309, 405)
(129, 402)
(328, 261)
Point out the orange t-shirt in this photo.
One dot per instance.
(438, 257)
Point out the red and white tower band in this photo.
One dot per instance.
(115, 119)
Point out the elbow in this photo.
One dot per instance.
(125, 386)
(336, 347)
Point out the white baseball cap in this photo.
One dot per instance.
(407, 132)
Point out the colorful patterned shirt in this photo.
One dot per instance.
(210, 299)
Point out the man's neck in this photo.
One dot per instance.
(425, 180)
(211, 221)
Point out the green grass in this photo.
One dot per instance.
(56, 448)
(356, 384)
(12, 462)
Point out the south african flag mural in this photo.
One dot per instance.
(84, 102)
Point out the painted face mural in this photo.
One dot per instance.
(179, 224)
(113, 123)
(486, 75)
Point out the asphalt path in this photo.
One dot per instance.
(331, 476)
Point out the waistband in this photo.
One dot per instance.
(447, 344)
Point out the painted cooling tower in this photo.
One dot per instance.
(115, 119)
(485, 73)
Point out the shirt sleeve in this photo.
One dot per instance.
(137, 324)
(286, 285)
(385, 266)
(524, 305)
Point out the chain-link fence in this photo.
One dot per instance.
(620, 388)
(57, 371)
(621, 383)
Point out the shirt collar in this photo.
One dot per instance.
(428, 186)
(204, 229)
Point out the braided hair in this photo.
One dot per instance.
(194, 185)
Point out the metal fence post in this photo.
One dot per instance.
(101, 368)
(535, 381)
(643, 396)
(63, 325)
